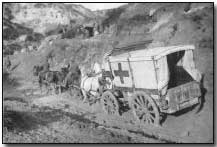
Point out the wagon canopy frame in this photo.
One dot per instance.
(150, 53)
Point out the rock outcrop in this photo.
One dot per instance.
(44, 16)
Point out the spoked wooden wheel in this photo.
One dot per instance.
(144, 108)
(110, 103)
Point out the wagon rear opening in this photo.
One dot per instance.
(178, 74)
(183, 85)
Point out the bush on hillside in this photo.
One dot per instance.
(35, 37)
(9, 34)
(69, 34)
(135, 21)
(7, 14)
(10, 49)
(54, 30)
(13, 30)
(113, 16)
(84, 51)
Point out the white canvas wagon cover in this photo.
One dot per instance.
(152, 53)
(148, 68)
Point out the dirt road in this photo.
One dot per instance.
(30, 117)
(55, 119)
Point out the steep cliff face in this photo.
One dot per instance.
(44, 16)
(165, 23)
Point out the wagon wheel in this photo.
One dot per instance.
(110, 103)
(144, 109)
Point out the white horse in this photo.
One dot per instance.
(90, 84)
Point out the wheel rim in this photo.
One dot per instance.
(110, 104)
(145, 109)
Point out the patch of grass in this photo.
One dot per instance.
(25, 121)
(9, 82)
(84, 51)
(17, 99)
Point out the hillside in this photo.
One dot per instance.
(163, 23)
(26, 24)
(33, 32)
(43, 16)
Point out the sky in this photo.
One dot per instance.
(100, 6)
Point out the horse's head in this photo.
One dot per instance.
(37, 69)
(49, 76)
(65, 70)
(97, 68)
(78, 70)
(83, 70)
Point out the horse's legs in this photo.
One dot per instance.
(40, 86)
(84, 95)
(48, 89)
(60, 89)
(53, 89)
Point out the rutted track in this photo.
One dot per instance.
(84, 118)
(83, 114)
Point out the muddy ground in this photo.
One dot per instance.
(30, 117)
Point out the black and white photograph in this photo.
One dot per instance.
(108, 73)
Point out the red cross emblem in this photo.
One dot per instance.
(121, 73)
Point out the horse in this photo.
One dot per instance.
(42, 75)
(72, 81)
(37, 69)
(53, 79)
(90, 84)
(57, 79)
(73, 76)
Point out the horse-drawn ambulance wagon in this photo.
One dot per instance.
(152, 81)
